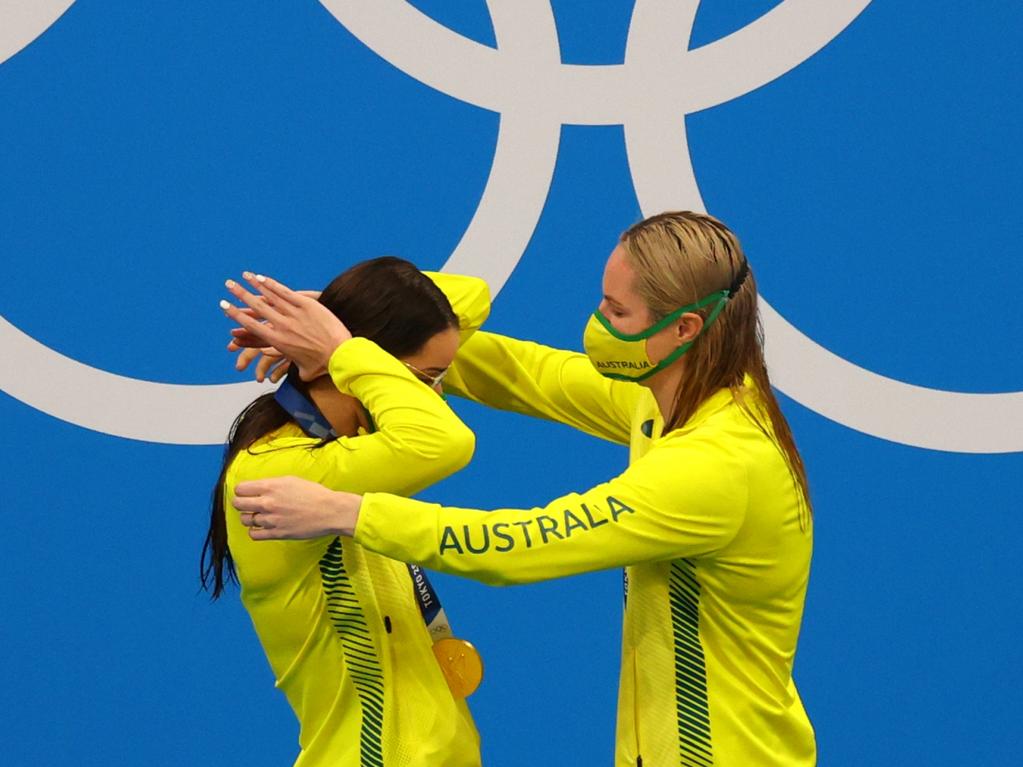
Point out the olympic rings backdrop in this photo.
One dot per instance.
(867, 153)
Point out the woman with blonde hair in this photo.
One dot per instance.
(711, 520)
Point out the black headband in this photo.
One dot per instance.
(739, 279)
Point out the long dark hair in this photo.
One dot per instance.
(387, 300)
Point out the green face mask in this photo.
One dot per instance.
(623, 357)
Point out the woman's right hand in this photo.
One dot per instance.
(297, 325)
(270, 363)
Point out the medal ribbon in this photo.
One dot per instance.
(429, 604)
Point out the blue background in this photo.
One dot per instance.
(151, 150)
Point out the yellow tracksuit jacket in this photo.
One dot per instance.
(705, 521)
(340, 625)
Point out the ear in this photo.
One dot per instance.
(688, 327)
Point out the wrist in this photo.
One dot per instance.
(327, 352)
(338, 337)
(334, 344)
(344, 513)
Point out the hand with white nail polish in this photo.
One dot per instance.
(296, 324)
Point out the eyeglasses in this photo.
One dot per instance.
(432, 381)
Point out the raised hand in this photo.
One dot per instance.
(295, 324)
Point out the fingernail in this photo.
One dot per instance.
(225, 305)
(229, 283)
(260, 278)
(247, 275)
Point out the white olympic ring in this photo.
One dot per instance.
(524, 80)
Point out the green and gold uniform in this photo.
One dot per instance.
(707, 522)
(340, 625)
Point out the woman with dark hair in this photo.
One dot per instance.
(341, 626)
(711, 520)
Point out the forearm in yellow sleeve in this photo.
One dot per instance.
(528, 378)
(418, 438)
(536, 380)
(672, 503)
(469, 298)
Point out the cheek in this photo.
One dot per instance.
(628, 325)
(660, 345)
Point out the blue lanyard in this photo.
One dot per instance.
(304, 411)
(429, 604)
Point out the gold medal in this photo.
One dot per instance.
(461, 664)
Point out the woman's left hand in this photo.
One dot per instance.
(294, 508)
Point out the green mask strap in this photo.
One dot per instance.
(720, 296)
(659, 326)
